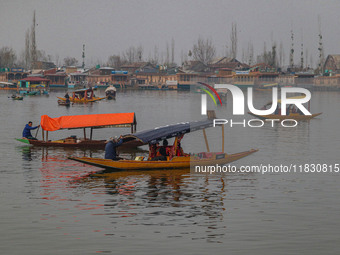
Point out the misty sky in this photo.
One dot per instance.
(109, 27)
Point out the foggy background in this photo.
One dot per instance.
(110, 27)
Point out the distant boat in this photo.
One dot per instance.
(83, 96)
(267, 87)
(64, 103)
(110, 92)
(15, 97)
(292, 113)
(8, 85)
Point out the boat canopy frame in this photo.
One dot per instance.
(92, 121)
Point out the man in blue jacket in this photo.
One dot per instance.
(27, 131)
(110, 148)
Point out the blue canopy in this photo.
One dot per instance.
(166, 132)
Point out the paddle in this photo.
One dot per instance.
(37, 132)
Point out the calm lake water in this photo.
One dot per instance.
(52, 205)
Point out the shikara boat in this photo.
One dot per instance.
(110, 92)
(292, 113)
(83, 96)
(8, 86)
(15, 97)
(91, 121)
(64, 103)
(267, 87)
(172, 162)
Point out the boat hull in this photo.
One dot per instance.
(97, 144)
(175, 163)
(294, 116)
(85, 144)
(82, 101)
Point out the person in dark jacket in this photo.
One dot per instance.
(110, 148)
(162, 153)
(27, 131)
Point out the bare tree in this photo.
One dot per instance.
(140, 51)
(7, 57)
(133, 54)
(114, 61)
(33, 43)
(167, 59)
(251, 53)
(155, 58)
(281, 55)
(203, 51)
(172, 51)
(27, 50)
(233, 38)
(57, 59)
(70, 61)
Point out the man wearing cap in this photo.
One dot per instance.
(27, 131)
(111, 146)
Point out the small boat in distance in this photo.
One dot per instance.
(291, 113)
(110, 92)
(8, 85)
(15, 97)
(176, 158)
(64, 103)
(266, 87)
(83, 96)
(91, 121)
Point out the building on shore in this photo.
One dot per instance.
(12, 75)
(58, 79)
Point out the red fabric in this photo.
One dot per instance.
(90, 120)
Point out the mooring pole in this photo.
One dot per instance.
(223, 138)
(206, 140)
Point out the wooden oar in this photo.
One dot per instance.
(37, 132)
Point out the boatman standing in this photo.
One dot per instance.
(111, 146)
(27, 131)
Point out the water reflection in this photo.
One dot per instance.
(165, 198)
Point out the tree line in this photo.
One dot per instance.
(202, 50)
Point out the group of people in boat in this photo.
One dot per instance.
(156, 152)
(86, 94)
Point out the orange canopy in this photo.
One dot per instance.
(90, 120)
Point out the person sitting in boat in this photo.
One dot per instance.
(153, 147)
(163, 152)
(111, 148)
(27, 131)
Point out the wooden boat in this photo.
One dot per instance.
(15, 97)
(110, 92)
(266, 87)
(83, 96)
(91, 121)
(64, 103)
(294, 116)
(8, 86)
(291, 113)
(172, 162)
